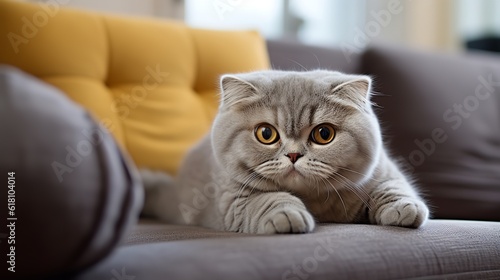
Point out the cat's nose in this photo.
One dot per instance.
(294, 156)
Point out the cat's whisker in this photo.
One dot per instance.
(269, 168)
(367, 155)
(275, 179)
(340, 197)
(359, 173)
(246, 182)
(317, 59)
(354, 186)
(351, 189)
(354, 190)
(317, 188)
(327, 190)
(302, 66)
(317, 181)
(320, 169)
(250, 193)
(249, 178)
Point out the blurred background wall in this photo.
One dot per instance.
(158, 8)
(444, 25)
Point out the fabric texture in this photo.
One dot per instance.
(152, 83)
(298, 57)
(441, 119)
(75, 192)
(443, 249)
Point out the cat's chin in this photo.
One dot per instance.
(294, 173)
(294, 180)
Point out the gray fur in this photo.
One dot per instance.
(230, 181)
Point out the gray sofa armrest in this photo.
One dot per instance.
(73, 192)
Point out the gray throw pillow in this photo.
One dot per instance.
(441, 115)
(72, 192)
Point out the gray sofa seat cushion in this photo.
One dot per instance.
(151, 231)
(441, 115)
(443, 249)
(75, 193)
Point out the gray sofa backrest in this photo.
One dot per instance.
(441, 115)
(295, 56)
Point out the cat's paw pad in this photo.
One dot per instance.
(287, 220)
(405, 213)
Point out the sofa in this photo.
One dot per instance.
(83, 111)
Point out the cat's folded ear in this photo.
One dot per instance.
(357, 89)
(235, 90)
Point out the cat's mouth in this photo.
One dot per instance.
(293, 172)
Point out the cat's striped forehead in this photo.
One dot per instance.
(300, 106)
(293, 102)
(291, 120)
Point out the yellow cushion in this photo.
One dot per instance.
(152, 83)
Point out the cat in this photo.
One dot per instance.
(287, 150)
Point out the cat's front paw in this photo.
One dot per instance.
(287, 220)
(404, 212)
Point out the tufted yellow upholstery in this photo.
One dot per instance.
(152, 83)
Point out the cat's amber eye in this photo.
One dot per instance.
(266, 134)
(323, 134)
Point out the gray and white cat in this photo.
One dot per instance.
(287, 150)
